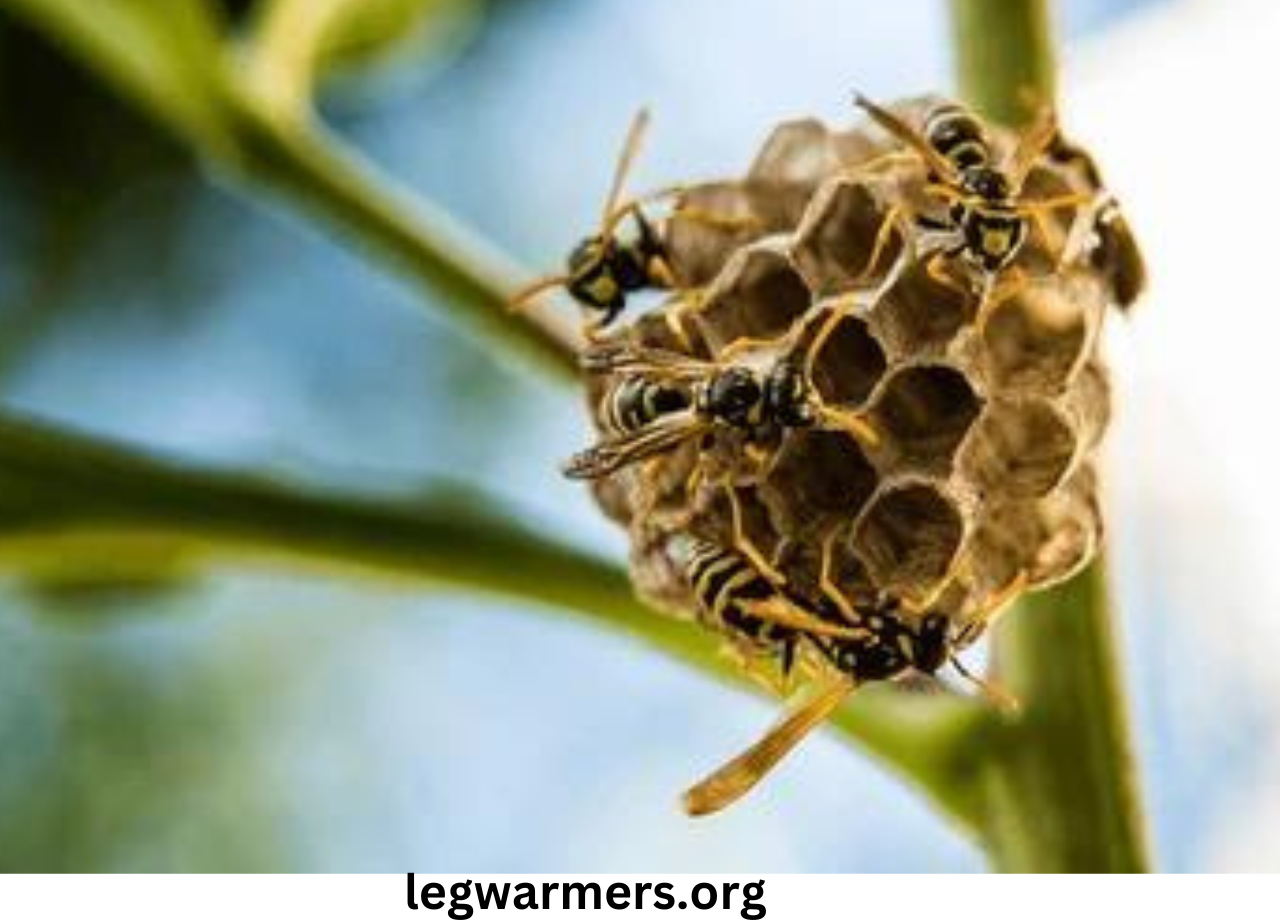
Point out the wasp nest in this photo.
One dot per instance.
(959, 405)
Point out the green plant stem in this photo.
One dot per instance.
(1005, 62)
(171, 62)
(1060, 783)
(313, 170)
(88, 504)
(1062, 791)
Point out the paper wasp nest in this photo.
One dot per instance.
(982, 471)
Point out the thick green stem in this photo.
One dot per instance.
(1004, 56)
(461, 272)
(1061, 789)
(90, 506)
(169, 59)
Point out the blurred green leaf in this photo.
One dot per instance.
(166, 56)
(174, 61)
(299, 42)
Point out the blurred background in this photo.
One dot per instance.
(253, 720)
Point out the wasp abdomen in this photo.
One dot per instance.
(956, 134)
(636, 402)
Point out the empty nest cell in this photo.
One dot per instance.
(802, 152)
(819, 476)
(920, 314)
(923, 413)
(908, 538)
(759, 295)
(835, 242)
(1036, 338)
(1019, 449)
(849, 362)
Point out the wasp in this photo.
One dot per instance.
(603, 270)
(987, 220)
(1115, 249)
(879, 644)
(663, 399)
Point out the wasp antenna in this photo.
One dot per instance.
(856, 424)
(626, 159)
(531, 290)
(936, 162)
(994, 694)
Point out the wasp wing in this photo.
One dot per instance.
(740, 775)
(621, 358)
(611, 455)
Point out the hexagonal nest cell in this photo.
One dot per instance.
(759, 295)
(820, 477)
(1037, 338)
(908, 538)
(800, 152)
(923, 413)
(835, 243)
(1019, 449)
(849, 362)
(714, 220)
(920, 314)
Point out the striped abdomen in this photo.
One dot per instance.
(955, 133)
(722, 583)
(635, 402)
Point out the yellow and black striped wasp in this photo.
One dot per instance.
(662, 399)
(879, 643)
(603, 270)
(988, 219)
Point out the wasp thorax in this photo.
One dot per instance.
(787, 396)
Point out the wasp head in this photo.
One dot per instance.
(932, 645)
(786, 396)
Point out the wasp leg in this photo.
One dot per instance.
(936, 269)
(857, 425)
(839, 313)
(674, 316)
(742, 543)
(780, 611)
(594, 329)
(1004, 596)
(895, 220)
(994, 694)
(827, 585)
